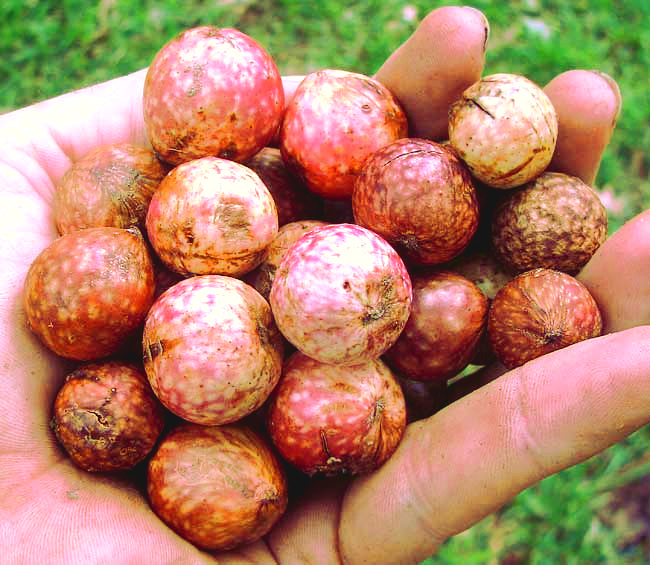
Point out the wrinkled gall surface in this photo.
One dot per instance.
(212, 91)
(420, 197)
(504, 127)
(110, 185)
(106, 416)
(334, 122)
(212, 351)
(556, 222)
(216, 486)
(341, 295)
(211, 216)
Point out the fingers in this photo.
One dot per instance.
(587, 104)
(469, 459)
(290, 83)
(104, 113)
(446, 54)
(308, 531)
(618, 276)
(431, 69)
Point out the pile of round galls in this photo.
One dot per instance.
(253, 297)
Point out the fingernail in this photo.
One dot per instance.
(486, 24)
(613, 85)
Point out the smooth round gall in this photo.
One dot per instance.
(341, 294)
(212, 351)
(540, 311)
(331, 419)
(212, 91)
(335, 120)
(218, 487)
(420, 197)
(87, 292)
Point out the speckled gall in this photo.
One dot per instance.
(212, 91)
(89, 290)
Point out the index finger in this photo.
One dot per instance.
(443, 57)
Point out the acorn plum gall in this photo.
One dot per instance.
(212, 91)
(448, 316)
(341, 295)
(504, 127)
(110, 185)
(106, 416)
(212, 351)
(334, 121)
(211, 216)
(218, 487)
(556, 221)
(420, 197)
(333, 419)
(89, 290)
(540, 311)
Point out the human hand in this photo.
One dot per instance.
(450, 470)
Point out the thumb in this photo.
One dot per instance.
(466, 461)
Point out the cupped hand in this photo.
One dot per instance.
(451, 469)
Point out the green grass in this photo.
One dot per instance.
(51, 47)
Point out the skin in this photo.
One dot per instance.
(450, 470)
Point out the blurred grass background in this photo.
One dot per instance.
(49, 47)
(596, 512)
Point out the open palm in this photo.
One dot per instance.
(450, 470)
